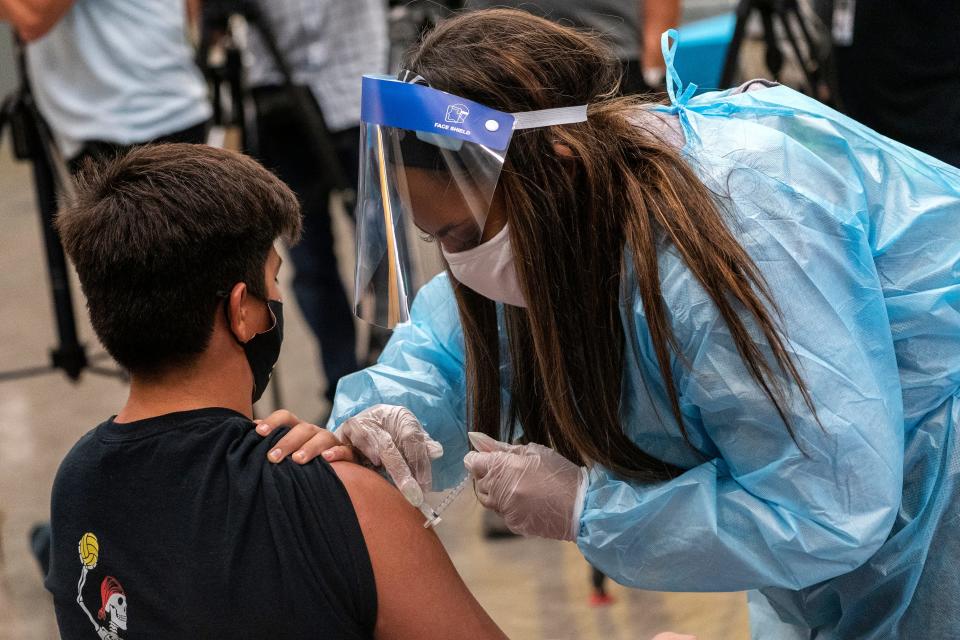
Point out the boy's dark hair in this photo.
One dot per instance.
(155, 234)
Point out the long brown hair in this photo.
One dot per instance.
(571, 222)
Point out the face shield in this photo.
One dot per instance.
(430, 161)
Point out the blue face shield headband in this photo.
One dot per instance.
(430, 160)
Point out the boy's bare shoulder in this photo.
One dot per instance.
(375, 497)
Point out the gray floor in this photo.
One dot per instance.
(533, 588)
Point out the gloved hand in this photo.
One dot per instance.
(392, 437)
(387, 436)
(536, 490)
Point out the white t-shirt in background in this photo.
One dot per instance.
(118, 71)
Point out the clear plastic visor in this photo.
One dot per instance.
(415, 186)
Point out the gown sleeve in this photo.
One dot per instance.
(421, 368)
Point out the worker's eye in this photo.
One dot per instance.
(426, 237)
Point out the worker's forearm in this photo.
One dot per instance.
(658, 16)
(33, 18)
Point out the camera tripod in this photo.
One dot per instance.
(33, 142)
(814, 59)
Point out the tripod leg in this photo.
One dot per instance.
(804, 31)
(773, 56)
(809, 72)
(732, 59)
(817, 68)
(69, 354)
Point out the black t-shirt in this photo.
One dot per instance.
(901, 75)
(178, 527)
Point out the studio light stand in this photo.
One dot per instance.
(33, 142)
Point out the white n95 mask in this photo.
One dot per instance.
(489, 269)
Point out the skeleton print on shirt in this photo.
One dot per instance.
(113, 599)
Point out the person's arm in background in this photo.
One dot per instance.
(656, 17)
(419, 592)
(33, 18)
(194, 10)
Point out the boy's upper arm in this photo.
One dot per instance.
(419, 591)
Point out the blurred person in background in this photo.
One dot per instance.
(109, 74)
(328, 45)
(898, 65)
(631, 27)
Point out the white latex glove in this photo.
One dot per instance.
(391, 437)
(536, 490)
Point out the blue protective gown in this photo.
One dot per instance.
(858, 238)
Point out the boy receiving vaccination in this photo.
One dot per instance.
(167, 519)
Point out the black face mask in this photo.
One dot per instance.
(263, 349)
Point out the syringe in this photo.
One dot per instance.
(432, 514)
(480, 442)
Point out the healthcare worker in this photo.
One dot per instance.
(722, 336)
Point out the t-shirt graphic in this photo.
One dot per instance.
(113, 600)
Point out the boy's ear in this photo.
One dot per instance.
(238, 319)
